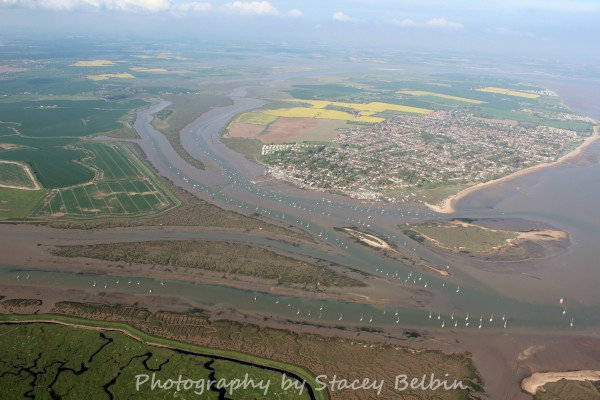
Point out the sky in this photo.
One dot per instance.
(550, 28)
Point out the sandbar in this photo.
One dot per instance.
(532, 383)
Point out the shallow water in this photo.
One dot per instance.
(518, 315)
(563, 197)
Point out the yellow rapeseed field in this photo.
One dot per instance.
(93, 63)
(364, 109)
(491, 89)
(364, 112)
(444, 96)
(376, 107)
(305, 112)
(102, 77)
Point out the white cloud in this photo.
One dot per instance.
(407, 22)
(92, 5)
(568, 6)
(252, 8)
(192, 7)
(340, 16)
(295, 13)
(152, 6)
(444, 23)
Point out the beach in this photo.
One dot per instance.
(448, 205)
(539, 379)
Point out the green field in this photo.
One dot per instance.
(60, 118)
(122, 186)
(45, 135)
(13, 174)
(328, 91)
(54, 161)
(569, 390)
(18, 203)
(43, 82)
(457, 236)
(52, 361)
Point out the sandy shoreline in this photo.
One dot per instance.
(448, 205)
(532, 383)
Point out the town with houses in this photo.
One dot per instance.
(410, 152)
